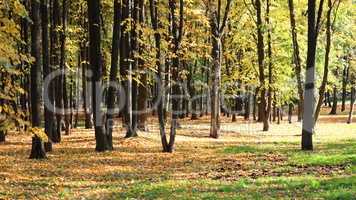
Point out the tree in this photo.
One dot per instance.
(261, 65)
(47, 70)
(95, 59)
(55, 54)
(127, 66)
(113, 70)
(329, 27)
(217, 26)
(296, 59)
(63, 67)
(352, 103)
(37, 151)
(309, 99)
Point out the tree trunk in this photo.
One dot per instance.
(96, 67)
(334, 107)
(66, 102)
(142, 88)
(270, 64)
(345, 80)
(215, 90)
(352, 103)
(86, 75)
(261, 65)
(296, 59)
(254, 112)
(59, 79)
(247, 105)
(47, 70)
(290, 112)
(326, 61)
(37, 151)
(309, 99)
(113, 73)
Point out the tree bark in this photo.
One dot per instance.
(111, 99)
(37, 151)
(96, 67)
(66, 102)
(345, 80)
(56, 64)
(326, 61)
(290, 113)
(352, 103)
(270, 63)
(296, 59)
(309, 99)
(334, 106)
(142, 90)
(261, 65)
(47, 70)
(217, 28)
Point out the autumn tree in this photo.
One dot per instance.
(309, 99)
(95, 60)
(37, 151)
(217, 25)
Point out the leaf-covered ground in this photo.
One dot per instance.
(244, 163)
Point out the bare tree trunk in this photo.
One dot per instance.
(290, 112)
(326, 60)
(309, 100)
(270, 63)
(56, 64)
(217, 28)
(66, 102)
(296, 59)
(261, 65)
(47, 70)
(96, 66)
(37, 150)
(334, 106)
(345, 80)
(113, 73)
(352, 103)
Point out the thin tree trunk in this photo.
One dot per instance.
(142, 90)
(217, 28)
(290, 112)
(47, 70)
(326, 61)
(270, 64)
(86, 88)
(113, 73)
(334, 107)
(66, 102)
(352, 103)
(296, 59)
(56, 64)
(261, 65)
(345, 80)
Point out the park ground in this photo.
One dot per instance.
(244, 163)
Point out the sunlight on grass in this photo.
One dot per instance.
(270, 187)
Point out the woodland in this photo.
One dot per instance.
(177, 99)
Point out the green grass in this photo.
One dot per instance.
(331, 154)
(306, 187)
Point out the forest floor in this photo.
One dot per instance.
(244, 163)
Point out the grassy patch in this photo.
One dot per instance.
(266, 188)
